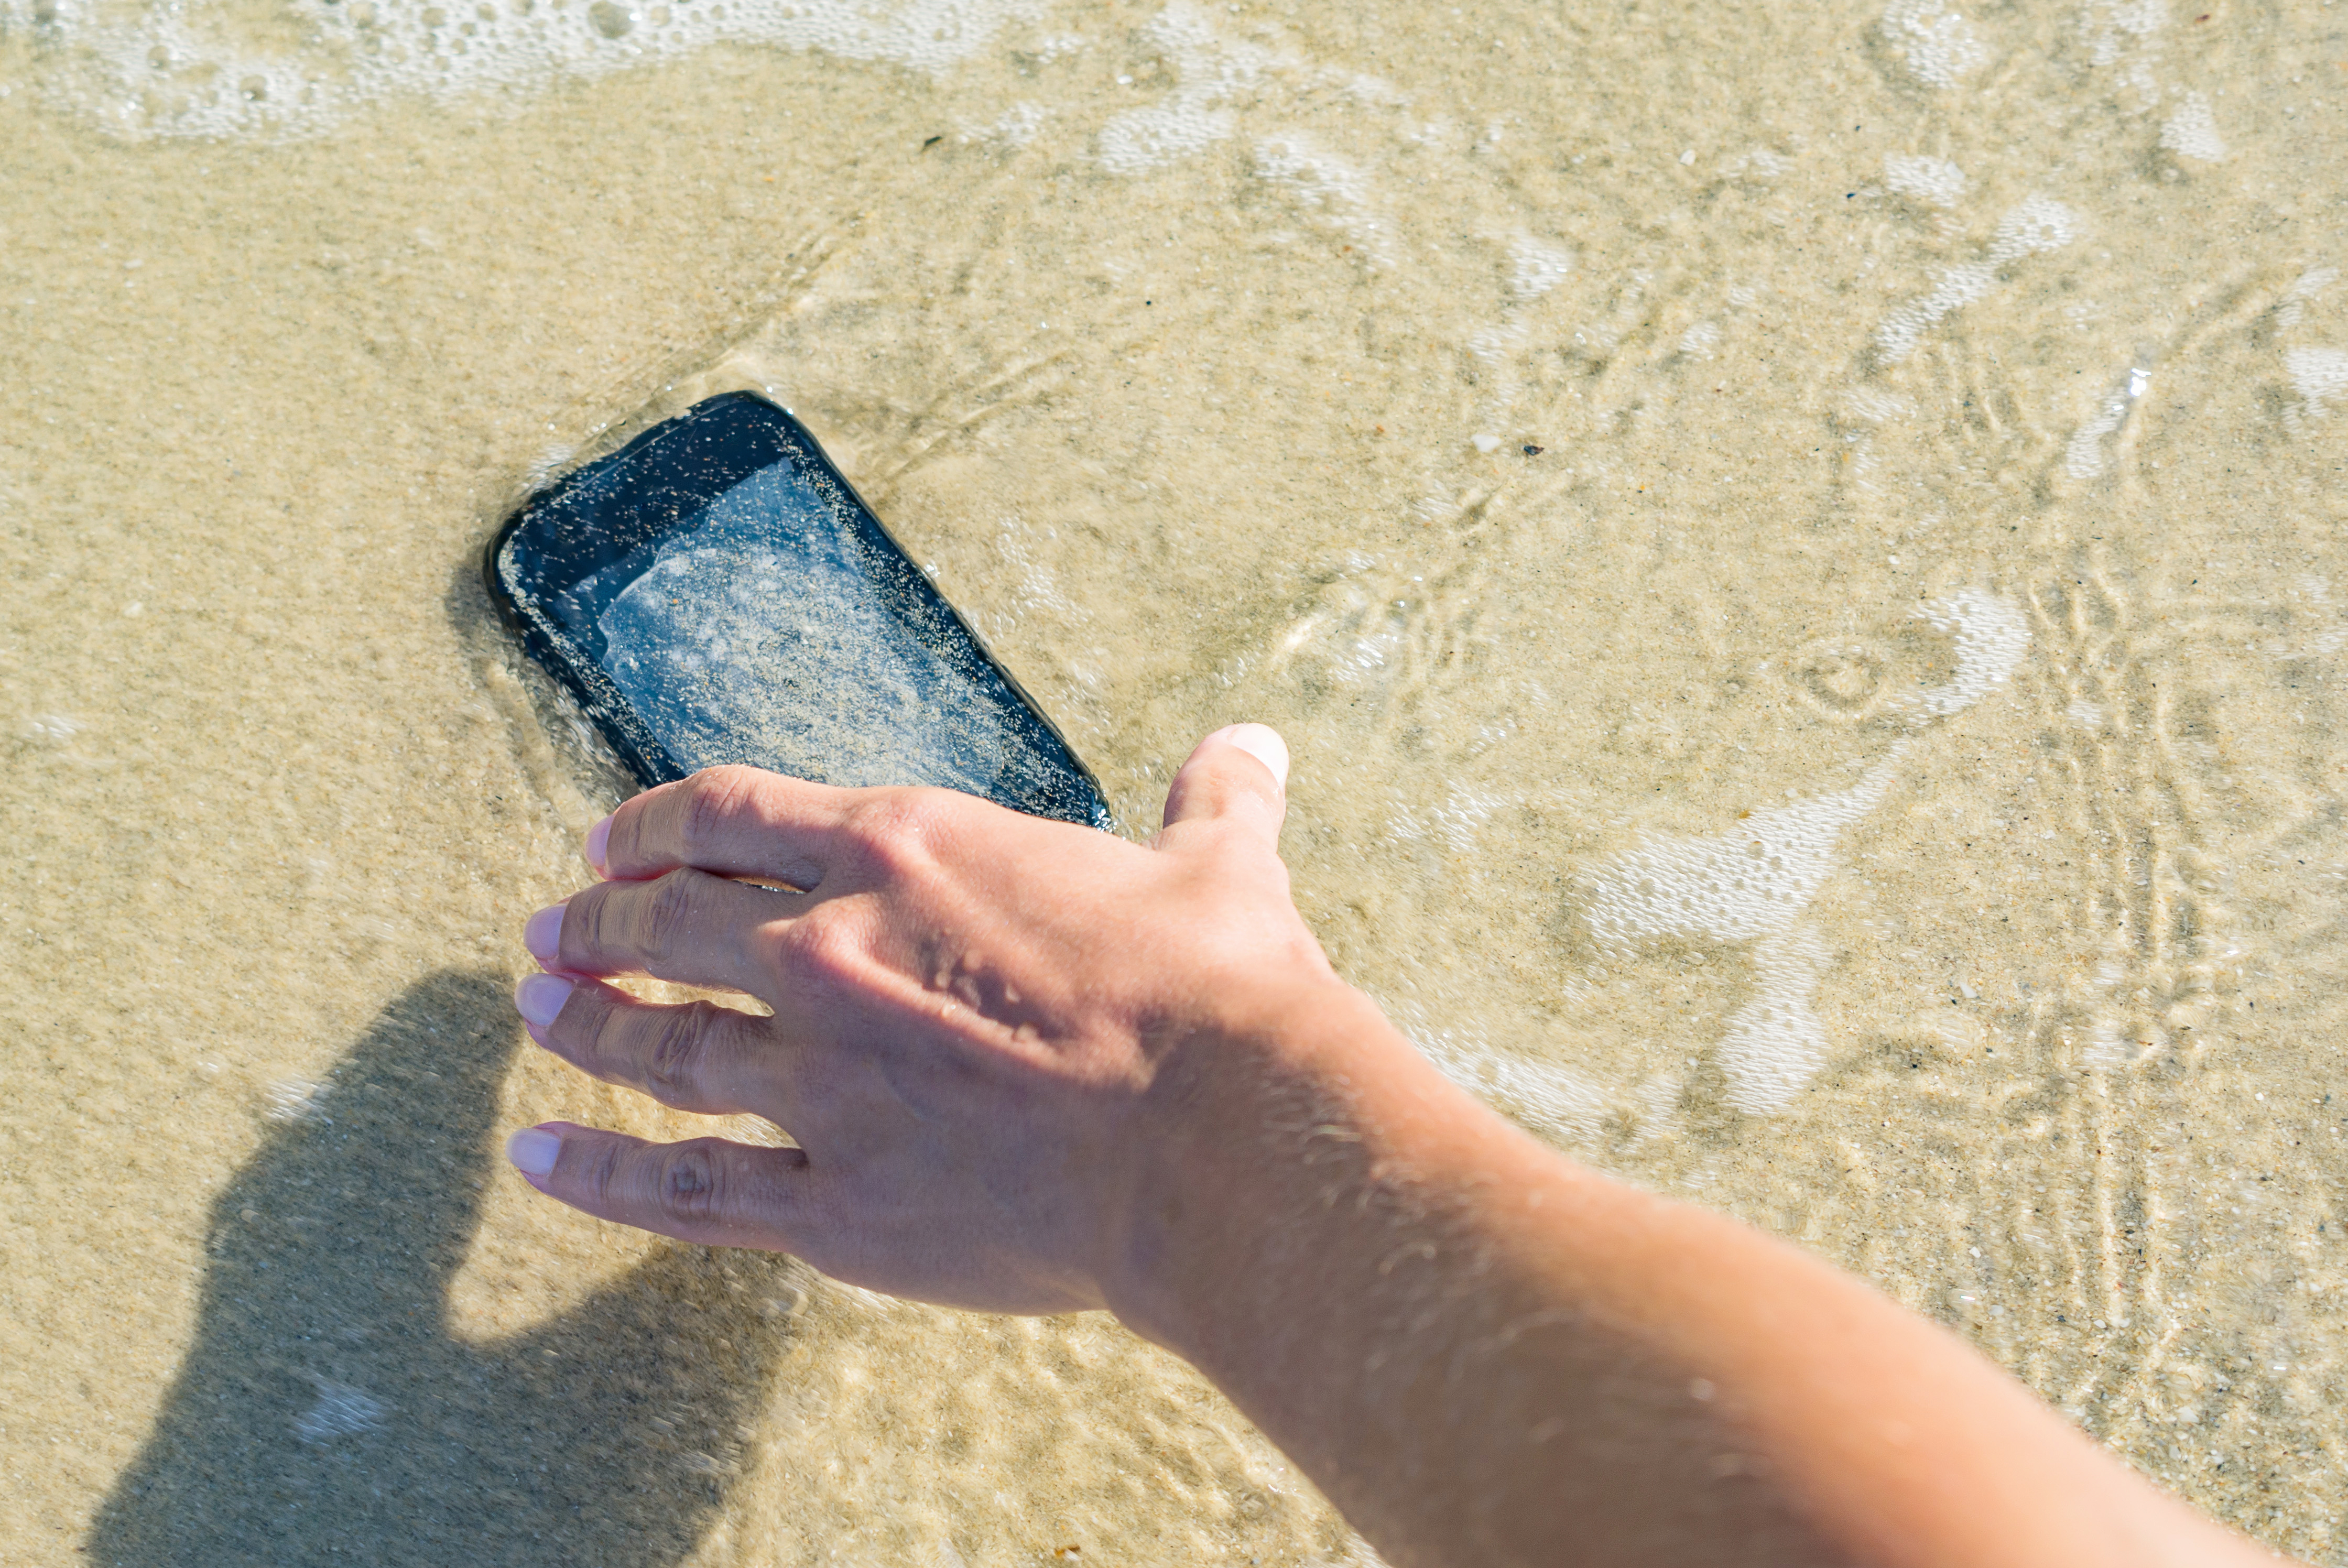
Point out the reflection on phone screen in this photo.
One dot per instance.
(758, 635)
(715, 591)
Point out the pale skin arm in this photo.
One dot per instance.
(1034, 1069)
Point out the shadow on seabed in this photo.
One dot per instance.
(327, 1410)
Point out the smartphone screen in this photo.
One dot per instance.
(715, 591)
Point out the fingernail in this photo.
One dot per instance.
(598, 842)
(544, 934)
(1263, 742)
(533, 1152)
(539, 997)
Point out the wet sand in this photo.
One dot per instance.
(1797, 558)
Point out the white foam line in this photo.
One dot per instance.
(1775, 1044)
(1933, 180)
(160, 76)
(1753, 883)
(1209, 71)
(1540, 1096)
(2192, 131)
(2038, 224)
(1743, 884)
(2317, 374)
(1991, 637)
(1940, 47)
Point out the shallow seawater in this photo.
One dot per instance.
(1798, 551)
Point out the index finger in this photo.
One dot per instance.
(731, 821)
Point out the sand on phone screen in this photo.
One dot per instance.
(1798, 551)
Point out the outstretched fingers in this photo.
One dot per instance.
(707, 1190)
(698, 1056)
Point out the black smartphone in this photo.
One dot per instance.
(716, 591)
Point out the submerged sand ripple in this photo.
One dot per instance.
(1554, 419)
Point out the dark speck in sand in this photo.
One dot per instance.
(1532, 450)
(932, 141)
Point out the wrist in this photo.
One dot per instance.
(1247, 1124)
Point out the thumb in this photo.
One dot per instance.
(1236, 778)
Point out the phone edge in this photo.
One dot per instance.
(636, 747)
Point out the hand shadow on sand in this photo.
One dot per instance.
(325, 1411)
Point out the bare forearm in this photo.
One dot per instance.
(1031, 1068)
(1487, 1355)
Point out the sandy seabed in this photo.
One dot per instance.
(1798, 551)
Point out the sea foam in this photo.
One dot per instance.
(167, 71)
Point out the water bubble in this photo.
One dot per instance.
(613, 21)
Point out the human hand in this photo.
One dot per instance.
(974, 1014)
(1032, 1067)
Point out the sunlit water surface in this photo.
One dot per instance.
(1799, 550)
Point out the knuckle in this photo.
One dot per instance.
(674, 1056)
(713, 799)
(821, 946)
(582, 1030)
(665, 924)
(599, 1174)
(896, 829)
(688, 1191)
(586, 921)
